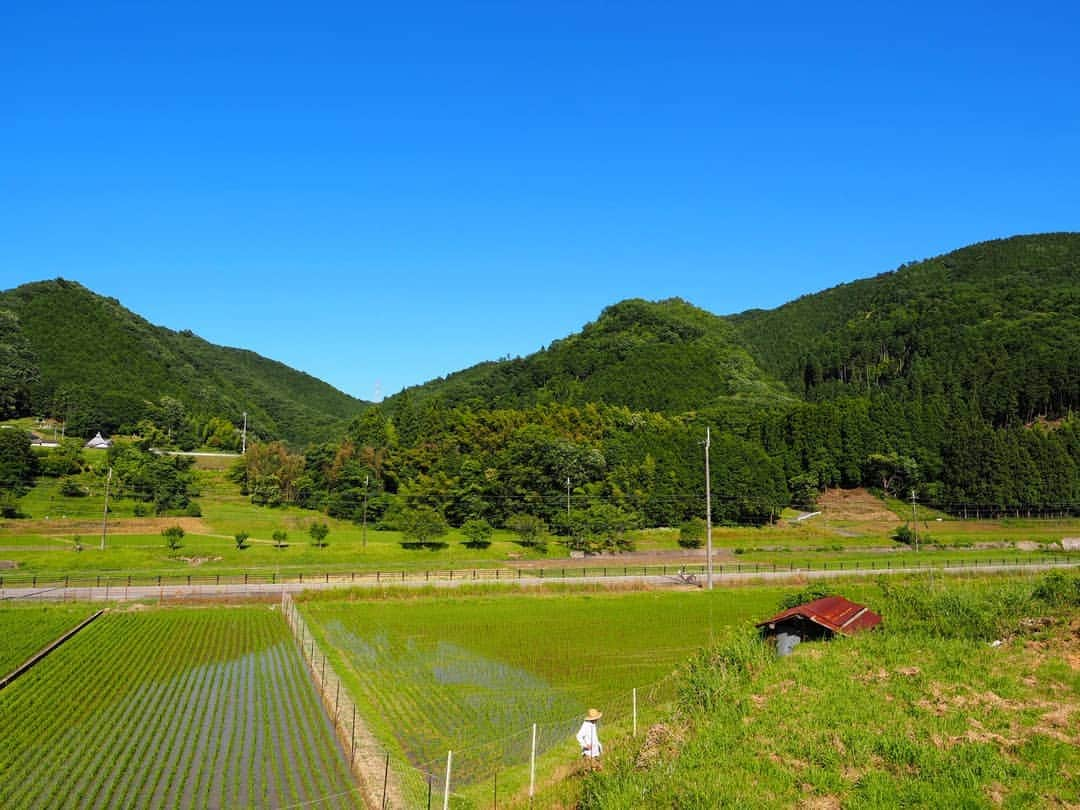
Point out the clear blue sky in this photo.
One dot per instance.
(389, 192)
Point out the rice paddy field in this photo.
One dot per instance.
(208, 707)
(472, 672)
(25, 629)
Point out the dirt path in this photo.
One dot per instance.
(92, 526)
(628, 559)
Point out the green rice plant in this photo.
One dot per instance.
(170, 705)
(471, 672)
(26, 629)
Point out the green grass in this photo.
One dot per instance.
(171, 708)
(43, 543)
(26, 629)
(923, 713)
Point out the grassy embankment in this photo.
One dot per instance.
(926, 712)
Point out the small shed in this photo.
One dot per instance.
(98, 442)
(822, 618)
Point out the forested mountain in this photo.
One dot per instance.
(996, 325)
(69, 353)
(666, 356)
(956, 379)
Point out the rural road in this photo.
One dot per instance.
(268, 591)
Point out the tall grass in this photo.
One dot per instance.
(921, 713)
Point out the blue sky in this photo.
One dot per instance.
(380, 194)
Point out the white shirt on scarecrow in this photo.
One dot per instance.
(587, 735)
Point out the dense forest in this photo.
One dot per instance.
(86, 360)
(956, 379)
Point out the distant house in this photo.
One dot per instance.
(822, 618)
(98, 443)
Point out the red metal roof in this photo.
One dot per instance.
(835, 613)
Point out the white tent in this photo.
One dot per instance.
(98, 443)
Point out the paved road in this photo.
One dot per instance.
(268, 591)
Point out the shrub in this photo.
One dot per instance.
(9, 505)
(318, 532)
(715, 678)
(477, 533)
(531, 530)
(241, 539)
(70, 489)
(808, 594)
(692, 533)
(422, 526)
(1058, 589)
(173, 535)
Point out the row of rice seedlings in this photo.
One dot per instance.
(172, 692)
(115, 747)
(324, 745)
(26, 630)
(243, 744)
(211, 766)
(279, 783)
(37, 697)
(156, 783)
(245, 774)
(76, 732)
(173, 792)
(175, 704)
(281, 746)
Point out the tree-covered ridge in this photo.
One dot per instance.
(996, 324)
(101, 367)
(666, 356)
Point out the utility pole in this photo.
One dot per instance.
(708, 512)
(568, 500)
(243, 437)
(105, 515)
(363, 530)
(914, 520)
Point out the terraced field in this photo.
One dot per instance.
(25, 629)
(171, 708)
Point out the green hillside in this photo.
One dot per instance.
(996, 324)
(87, 359)
(666, 356)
